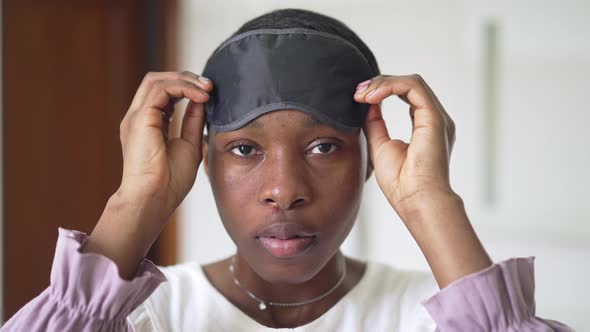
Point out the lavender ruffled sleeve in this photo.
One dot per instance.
(86, 292)
(498, 298)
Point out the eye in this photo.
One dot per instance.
(243, 150)
(323, 148)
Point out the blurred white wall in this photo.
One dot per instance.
(536, 146)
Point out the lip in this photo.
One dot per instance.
(285, 240)
(285, 231)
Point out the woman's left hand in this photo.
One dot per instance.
(415, 177)
(408, 172)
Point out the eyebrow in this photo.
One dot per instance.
(310, 122)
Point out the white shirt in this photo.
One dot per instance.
(385, 299)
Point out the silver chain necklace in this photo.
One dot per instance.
(262, 305)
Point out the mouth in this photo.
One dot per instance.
(286, 240)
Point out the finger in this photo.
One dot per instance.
(448, 121)
(150, 114)
(164, 91)
(411, 90)
(364, 89)
(375, 128)
(379, 139)
(152, 77)
(432, 94)
(202, 82)
(193, 123)
(386, 154)
(437, 102)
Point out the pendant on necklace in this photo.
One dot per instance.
(262, 306)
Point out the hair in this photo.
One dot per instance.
(301, 18)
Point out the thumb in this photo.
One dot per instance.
(185, 158)
(375, 128)
(387, 155)
(193, 123)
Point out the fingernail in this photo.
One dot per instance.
(370, 93)
(363, 83)
(203, 79)
(361, 89)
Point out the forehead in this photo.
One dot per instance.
(284, 118)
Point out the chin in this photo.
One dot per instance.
(292, 270)
(291, 273)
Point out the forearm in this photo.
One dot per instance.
(126, 231)
(442, 230)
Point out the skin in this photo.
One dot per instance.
(288, 177)
(295, 169)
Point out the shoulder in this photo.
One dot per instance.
(392, 279)
(388, 291)
(183, 280)
(184, 289)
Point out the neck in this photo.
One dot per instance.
(289, 291)
(278, 317)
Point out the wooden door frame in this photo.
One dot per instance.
(161, 44)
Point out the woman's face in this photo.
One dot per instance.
(288, 190)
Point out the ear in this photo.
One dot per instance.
(205, 148)
(365, 145)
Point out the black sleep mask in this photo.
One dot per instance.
(263, 70)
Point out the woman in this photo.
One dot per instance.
(288, 187)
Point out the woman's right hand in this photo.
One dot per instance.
(158, 172)
(154, 168)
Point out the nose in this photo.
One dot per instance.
(286, 184)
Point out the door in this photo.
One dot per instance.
(71, 69)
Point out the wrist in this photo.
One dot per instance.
(137, 218)
(126, 230)
(439, 224)
(423, 205)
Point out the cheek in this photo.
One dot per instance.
(341, 193)
(234, 192)
(228, 180)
